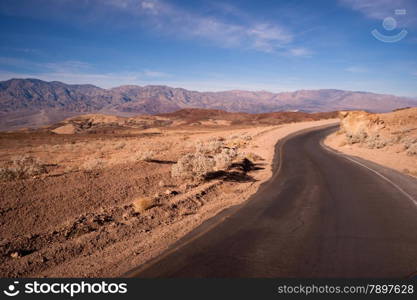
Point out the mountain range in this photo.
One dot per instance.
(33, 102)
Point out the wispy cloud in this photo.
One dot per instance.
(167, 18)
(154, 74)
(381, 9)
(303, 52)
(357, 69)
(228, 27)
(75, 72)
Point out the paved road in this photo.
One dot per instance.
(321, 215)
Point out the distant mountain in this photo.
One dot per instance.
(33, 102)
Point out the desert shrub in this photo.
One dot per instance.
(184, 167)
(202, 165)
(412, 149)
(224, 159)
(6, 174)
(246, 137)
(356, 138)
(213, 145)
(94, 164)
(192, 166)
(195, 166)
(22, 167)
(146, 155)
(409, 141)
(254, 157)
(141, 204)
(375, 141)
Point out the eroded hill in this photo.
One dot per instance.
(389, 139)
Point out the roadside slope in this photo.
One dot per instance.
(388, 139)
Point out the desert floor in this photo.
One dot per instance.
(80, 218)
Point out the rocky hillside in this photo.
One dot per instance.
(98, 123)
(33, 102)
(396, 129)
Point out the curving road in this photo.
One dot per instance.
(320, 215)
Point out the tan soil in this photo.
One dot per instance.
(78, 220)
(388, 139)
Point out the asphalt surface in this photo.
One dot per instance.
(320, 215)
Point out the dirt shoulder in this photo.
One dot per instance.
(391, 158)
(80, 220)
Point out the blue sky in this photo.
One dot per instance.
(212, 45)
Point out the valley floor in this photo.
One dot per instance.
(79, 219)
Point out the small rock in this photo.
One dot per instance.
(169, 192)
(15, 254)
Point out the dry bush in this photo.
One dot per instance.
(213, 145)
(22, 167)
(192, 166)
(224, 159)
(146, 155)
(195, 166)
(94, 164)
(142, 203)
(254, 157)
(246, 137)
(412, 149)
(7, 174)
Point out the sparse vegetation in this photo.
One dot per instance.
(253, 156)
(412, 149)
(146, 155)
(22, 167)
(94, 164)
(209, 156)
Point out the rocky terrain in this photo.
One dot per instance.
(32, 102)
(98, 123)
(97, 195)
(389, 139)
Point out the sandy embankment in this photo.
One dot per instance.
(388, 139)
(389, 157)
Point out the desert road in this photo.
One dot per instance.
(320, 215)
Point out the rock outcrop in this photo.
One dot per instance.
(398, 128)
